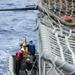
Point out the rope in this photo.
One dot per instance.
(33, 66)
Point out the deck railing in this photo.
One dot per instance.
(57, 36)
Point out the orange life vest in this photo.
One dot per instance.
(19, 53)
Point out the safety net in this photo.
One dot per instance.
(60, 9)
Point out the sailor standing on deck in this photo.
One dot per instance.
(31, 47)
(19, 57)
(27, 67)
(23, 46)
(25, 52)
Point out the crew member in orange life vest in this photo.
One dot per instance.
(19, 57)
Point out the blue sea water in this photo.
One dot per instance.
(14, 26)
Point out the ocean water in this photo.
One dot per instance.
(15, 26)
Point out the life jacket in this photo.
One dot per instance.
(26, 52)
(19, 55)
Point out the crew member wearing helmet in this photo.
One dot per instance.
(27, 66)
(31, 49)
(19, 57)
(25, 52)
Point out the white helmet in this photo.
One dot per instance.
(22, 49)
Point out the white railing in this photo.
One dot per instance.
(57, 43)
(55, 36)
